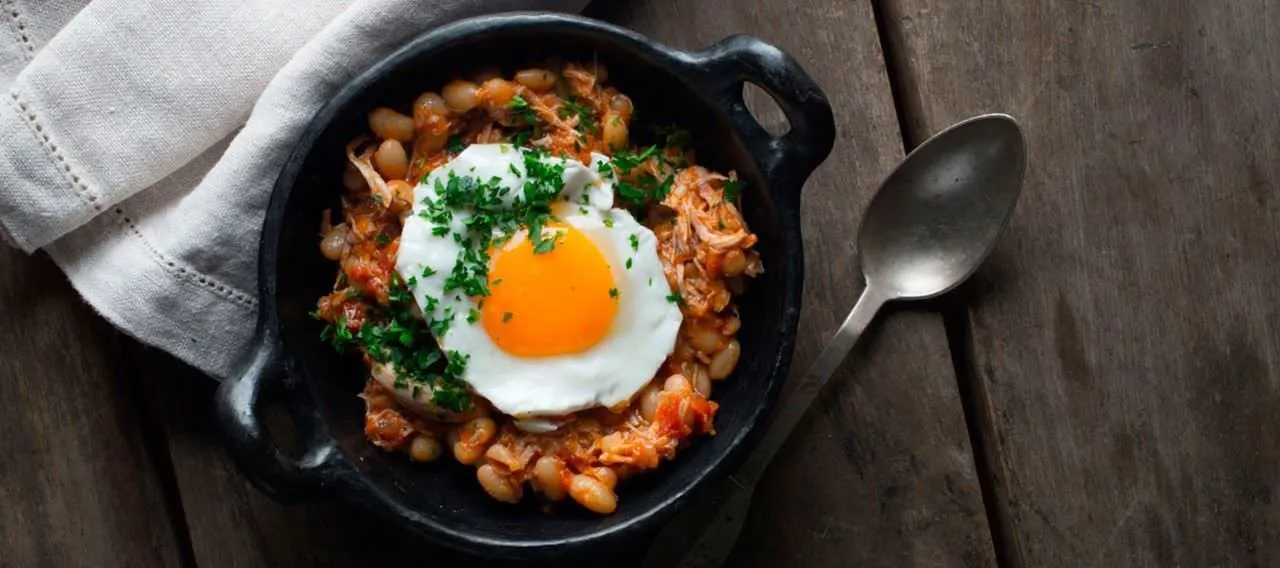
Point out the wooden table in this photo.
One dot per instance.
(1105, 392)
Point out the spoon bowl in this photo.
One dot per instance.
(929, 226)
(939, 214)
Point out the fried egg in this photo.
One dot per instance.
(584, 324)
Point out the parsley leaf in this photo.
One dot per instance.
(586, 115)
(395, 336)
(627, 160)
(522, 110)
(455, 144)
(731, 189)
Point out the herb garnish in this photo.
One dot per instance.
(521, 108)
(731, 189)
(586, 115)
(397, 338)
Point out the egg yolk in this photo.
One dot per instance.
(554, 303)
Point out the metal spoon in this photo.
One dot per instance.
(929, 226)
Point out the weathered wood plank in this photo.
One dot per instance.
(231, 523)
(1126, 337)
(77, 486)
(881, 475)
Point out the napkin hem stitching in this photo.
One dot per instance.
(20, 29)
(28, 116)
(179, 270)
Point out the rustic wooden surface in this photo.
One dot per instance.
(1126, 338)
(1119, 357)
(77, 484)
(881, 473)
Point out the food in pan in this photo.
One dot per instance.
(532, 291)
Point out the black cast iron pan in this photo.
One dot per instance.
(700, 91)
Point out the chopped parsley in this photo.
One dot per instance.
(455, 144)
(586, 115)
(731, 189)
(522, 110)
(628, 264)
(608, 222)
(382, 240)
(644, 186)
(397, 338)
(338, 334)
(506, 317)
(627, 160)
(635, 241)
(473, 316)
(613, 293)
(675, 298)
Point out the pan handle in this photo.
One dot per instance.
(283, 477)
(786, 160)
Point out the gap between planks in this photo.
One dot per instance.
(974, 399)
(155, 441)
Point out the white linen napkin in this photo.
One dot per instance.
(139, 141)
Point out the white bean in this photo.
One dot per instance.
(676, 383)
(335, 242)
(734, 263)
(701, 379)
(615, 130)
(705, 339)
(725, 361)
(649, 399)
(424, 449)
(389, 124)
(537, 79)
(459, 95)
(592, 494)
(390, 159)
(497, 485)
(604, 475)
(546, 477)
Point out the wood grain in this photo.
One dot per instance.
(1126, 337)
(77, 485)
(229, 521)
(881, 473)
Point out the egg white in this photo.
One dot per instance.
(641, 336)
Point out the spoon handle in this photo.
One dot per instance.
(811, 383)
